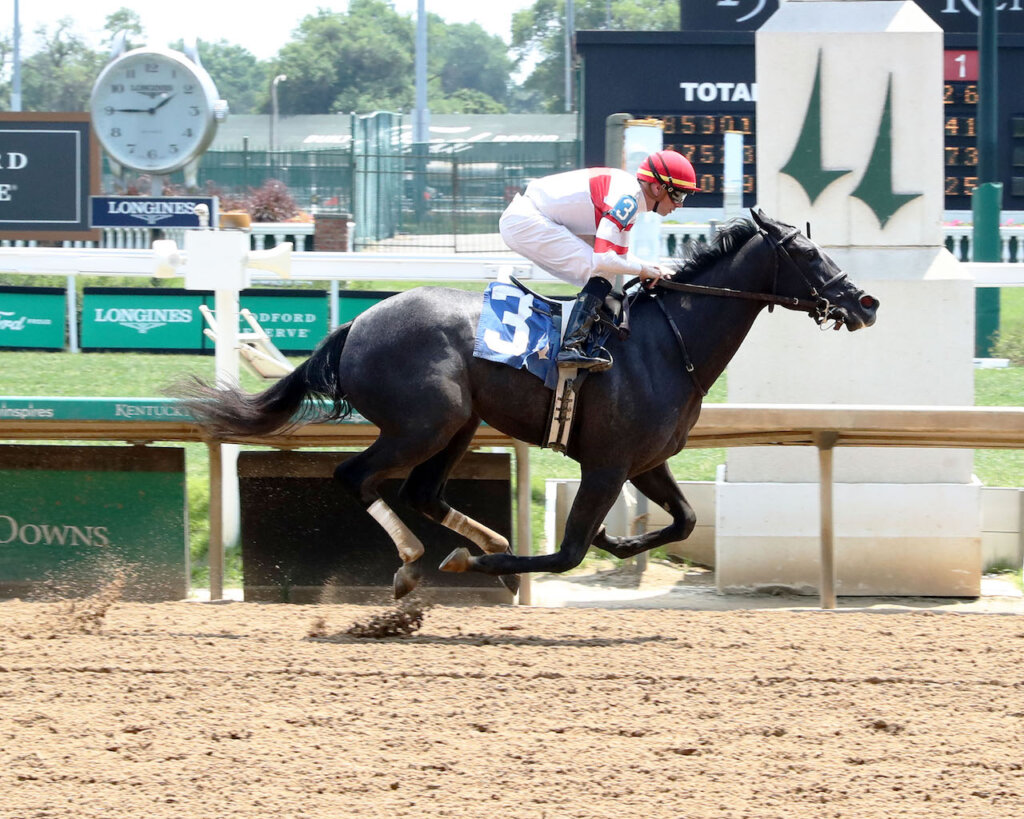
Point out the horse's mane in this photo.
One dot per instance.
(697, 256)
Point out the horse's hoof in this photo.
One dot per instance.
(406, 579)
(457, 561)
(510, 582)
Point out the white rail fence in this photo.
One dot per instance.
(300, 234)
(958, 238)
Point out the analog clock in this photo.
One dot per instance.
(155, 110)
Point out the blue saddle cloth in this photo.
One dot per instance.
(519, 330)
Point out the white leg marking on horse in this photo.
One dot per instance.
(408, 545)
(487, 539)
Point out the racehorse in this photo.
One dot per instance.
(407, 366)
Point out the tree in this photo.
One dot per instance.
(128, 21)
(60, 76)
(538, 32)
(469, 64)
(363, 60)
(360, 60)
(357, 61)
(240, 77)
(467, 101)
(6, 58)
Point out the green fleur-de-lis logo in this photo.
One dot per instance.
(875, 188)
(805, 165)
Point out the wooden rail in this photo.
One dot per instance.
(721, 425)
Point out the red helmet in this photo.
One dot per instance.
(671, 169)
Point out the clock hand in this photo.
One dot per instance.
(133, 110)
(161, 104)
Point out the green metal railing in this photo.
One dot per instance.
(447, 198)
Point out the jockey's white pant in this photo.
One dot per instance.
(547, 244)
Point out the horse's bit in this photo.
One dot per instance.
(822, 307)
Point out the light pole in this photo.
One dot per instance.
(273, 107)
(570, 26)
(16, 78)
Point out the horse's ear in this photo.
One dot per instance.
(759, 218)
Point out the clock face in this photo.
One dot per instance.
(152, 110)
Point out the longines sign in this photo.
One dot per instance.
(49, 165)
(150, 211)
(168, 319)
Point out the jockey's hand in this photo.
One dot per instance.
(649, 274)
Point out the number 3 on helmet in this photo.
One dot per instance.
(671, 169)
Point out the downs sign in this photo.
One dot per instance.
(74, 518)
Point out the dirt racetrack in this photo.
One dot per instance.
(247, 710)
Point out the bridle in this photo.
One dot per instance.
(818, 306)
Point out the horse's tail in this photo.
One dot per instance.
(230, 411)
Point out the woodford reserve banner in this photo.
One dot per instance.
(49, 164)
(32, 317)
(169, 320)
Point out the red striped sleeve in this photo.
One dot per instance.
(603, 245)
(599, 184)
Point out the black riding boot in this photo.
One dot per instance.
(577, 329)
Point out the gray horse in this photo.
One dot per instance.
(407, 366)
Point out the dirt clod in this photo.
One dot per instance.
(400, 621)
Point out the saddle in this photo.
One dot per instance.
(613, 317)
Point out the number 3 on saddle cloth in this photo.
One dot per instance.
(523, 330)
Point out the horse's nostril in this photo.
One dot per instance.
(868, 302)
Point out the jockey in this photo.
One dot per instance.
(575, 225)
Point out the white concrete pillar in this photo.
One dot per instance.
(850, 138)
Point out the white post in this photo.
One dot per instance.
(524, 535)
(72, 300)
(826, 442)
(217, 260)
(732, 199)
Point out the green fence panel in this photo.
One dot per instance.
(294, 320)
(353, 302)
(72, 519)
(378, 167)
(125, 318)
(401, 196)
(32, 317)
(169, 320)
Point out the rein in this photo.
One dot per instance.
(818, 307)
(790, 302)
